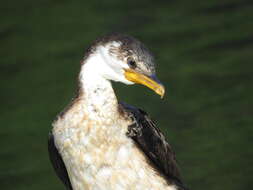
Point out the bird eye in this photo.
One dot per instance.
(131, 63)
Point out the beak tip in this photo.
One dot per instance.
(161, 91)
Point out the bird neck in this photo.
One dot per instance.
(96, 91)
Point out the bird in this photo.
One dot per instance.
(100, 143)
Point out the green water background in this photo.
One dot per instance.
(204, 53)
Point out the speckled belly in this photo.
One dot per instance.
(103, 158)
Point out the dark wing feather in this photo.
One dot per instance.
(57, 162)
(153, 143)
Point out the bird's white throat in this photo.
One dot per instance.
(96, 87)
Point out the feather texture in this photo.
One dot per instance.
(154, 145)
(57, 162)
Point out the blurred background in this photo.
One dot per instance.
(204, 53)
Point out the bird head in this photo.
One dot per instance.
(124, 59)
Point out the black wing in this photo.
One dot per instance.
(153, 143)
(58, 163)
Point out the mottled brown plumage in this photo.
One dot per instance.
(153, 143)
(99, 143)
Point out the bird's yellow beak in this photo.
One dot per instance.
(150, 82)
